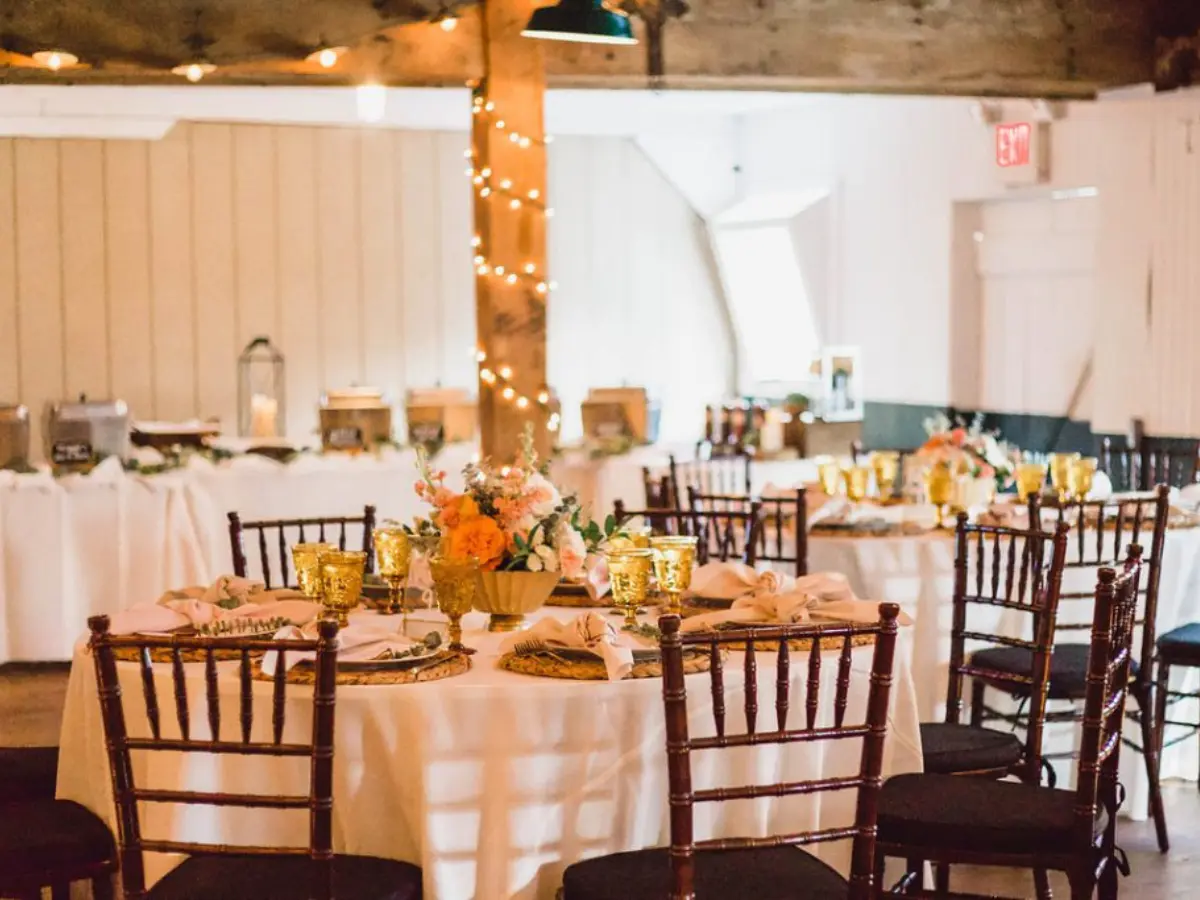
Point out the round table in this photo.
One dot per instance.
(917, 571)
(493, 782)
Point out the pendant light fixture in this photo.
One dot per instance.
(584, 21)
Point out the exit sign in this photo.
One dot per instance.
(1013, 144)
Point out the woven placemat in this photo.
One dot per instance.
(186, 654)
(546, 665)
(832, 642)
(453, 664)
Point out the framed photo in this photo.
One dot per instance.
(841, 378)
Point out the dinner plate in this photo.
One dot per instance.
(647, 654)
(388, 665)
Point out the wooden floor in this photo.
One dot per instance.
(31, 701)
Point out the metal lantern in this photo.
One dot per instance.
(260, 391)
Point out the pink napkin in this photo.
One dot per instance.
(596, 578)
(228, 598)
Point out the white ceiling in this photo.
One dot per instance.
(148, 112)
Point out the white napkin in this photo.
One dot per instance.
(832, 510)
(587, 631)
(358, 642)
(241, 599)
(1102, 487)
(728, 580)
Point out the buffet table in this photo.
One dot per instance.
(493, 782)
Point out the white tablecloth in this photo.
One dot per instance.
(918, 573)
(493, 782)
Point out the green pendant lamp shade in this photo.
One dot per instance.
(586, 21)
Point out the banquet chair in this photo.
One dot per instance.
(778, 515)
(657, 488)
(28, 773)
(234, 872)
(947, 819)
(281, 543)
(712, 475)
(1152, 461)
(721, 535)
(755, 868)
(1103, 530)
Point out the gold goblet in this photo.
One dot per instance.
(1030, 478)
(394, 552)
(306, 558)
(939, 488)
(829, 473)
(858, 481)
(1060, 473)
(1080, 477)
(454, 580)
(673, 561)
(341, 582)
(887, 467)
(629, 571)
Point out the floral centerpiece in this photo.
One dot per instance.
(969, 450)
(524, 533)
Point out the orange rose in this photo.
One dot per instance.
(481, 538)
(457, 510)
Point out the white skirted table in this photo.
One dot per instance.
(917, 572)
(493, 782)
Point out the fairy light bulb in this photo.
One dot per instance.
(486, 172)
(506, 184)
(542, 287)
(479, 259)
(468, 154)
(477, 180)
(534, 194)
(328, 57)
(489, 106)
(476, 241)
(515, 138)
(485, 192)
(524, 143)
(514, 203)
(55, 59)
(500, 271)
(482, 269)
(500, 124)
(522, 402)
(448, 23)
(511, 279)
(544, 397)
(506, 372)
(530, 268)
(508, 393)
(486, 376)
(195, 71)
(480, 356)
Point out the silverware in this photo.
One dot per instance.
(530, 646)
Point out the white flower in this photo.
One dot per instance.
(533, 562)
(547, 556)
(545, 495)
(572, 550)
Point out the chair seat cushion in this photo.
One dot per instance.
(54, 835)
(956, 813)
(1181, 646)
(1068, 668)
(774, 873)
(286, 878)
(28, 773)
(950, 749)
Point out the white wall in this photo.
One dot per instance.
(140, 269)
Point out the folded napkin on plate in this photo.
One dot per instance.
(778, 599)
(832, 510)
(587, 631)
(226, 599)
(727, 580)
(1102, 488)
(358, 642)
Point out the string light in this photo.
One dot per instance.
(55, 59)
(326, 57)
(448, 22)
(506, 373)
(501, 378)
(195, 71)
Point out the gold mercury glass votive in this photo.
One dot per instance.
(1060, 473)
(306, 558)
(629, 572)
(454, 584)
(1080, 477)
(673, 561)
(858, 481)
(939, 489)
(887, 467)
(394, 552)
(829, 474)
(341, 581)
(1030, 478)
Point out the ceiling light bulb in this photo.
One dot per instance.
(506, 372)
(55, 59)
(448, 23)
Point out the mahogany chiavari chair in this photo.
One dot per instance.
(657, 488)
(947, 819)
(317, 530)
(1104, 529)
(28, 773)
(228, 871)
(784, 522)
(720, 535)
(1153, 461)
(774, 866)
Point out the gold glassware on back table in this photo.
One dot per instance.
(858, 482)
(1060, 473)
(939, 489)
(1030, 478)
(886, 464)
(1080, 477)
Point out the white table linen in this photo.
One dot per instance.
(493, 782)
(917, 572)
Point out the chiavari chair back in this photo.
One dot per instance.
(657, 488)
(714, 475)
(229, 870)
(1153, 461)
(783, 537)
(276, 536)
(721, 535)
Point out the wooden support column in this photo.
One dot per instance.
(511, 282)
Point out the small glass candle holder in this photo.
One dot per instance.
(1080, 477)
(886, 464)
(306, 559)
(673, 561)
(454, 585)
(939, 489)
(829, 473)
(858, 481)
(629, 571)
(1060, 473)
(1030, 478)
(341, 581)
(393, 550)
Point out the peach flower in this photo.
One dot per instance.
(457, 510)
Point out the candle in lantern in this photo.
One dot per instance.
(770, 439)
(263, 412)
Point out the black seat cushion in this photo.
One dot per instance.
(1068, 668)
(775, 873)
(957, 813)
(1181, 646)
(950, 749)
(54, 835)
(28, 773)
(286, 878)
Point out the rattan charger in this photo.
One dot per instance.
(830, 642)
(450, 665)
(547, 664)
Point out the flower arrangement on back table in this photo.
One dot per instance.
(969, 449)
(511, 519)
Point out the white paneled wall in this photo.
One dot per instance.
(140, 269)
